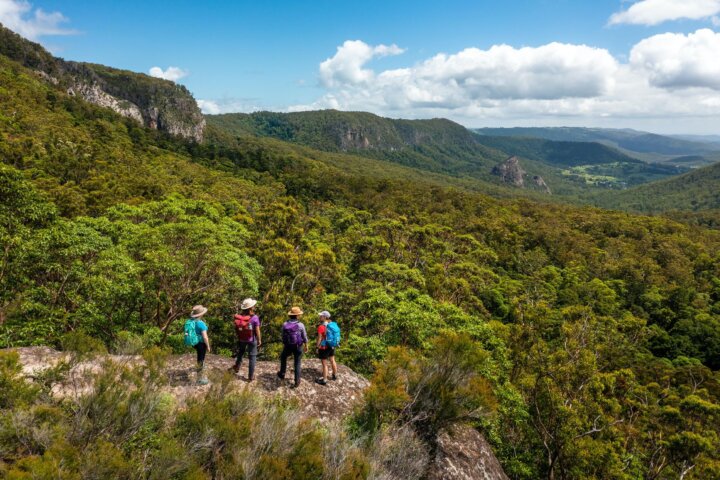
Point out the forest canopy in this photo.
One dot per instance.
(594, 334)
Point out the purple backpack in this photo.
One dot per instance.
(291, 334)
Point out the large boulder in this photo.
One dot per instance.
(465, 454)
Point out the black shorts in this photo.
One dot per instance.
(325, 353)
(201, 349)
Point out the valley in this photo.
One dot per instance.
(533, 303)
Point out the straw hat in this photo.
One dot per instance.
(295, 311)
(247, 304)
(198, 311)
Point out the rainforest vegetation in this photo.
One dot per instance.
(588, 340)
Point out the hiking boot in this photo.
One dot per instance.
(334, 377)
(320, 381)
(203, 381)
(281, 377)
(234, 368)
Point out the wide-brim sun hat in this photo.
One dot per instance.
(324, 313)
(198, 311)
(247, 304)
(294, 311)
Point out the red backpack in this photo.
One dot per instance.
(243, 328)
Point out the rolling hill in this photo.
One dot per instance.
(589, 162)
(643, 145)
(537, 320)
(442, 146)
(695, 191)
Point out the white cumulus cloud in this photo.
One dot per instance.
(32, 23)
(347, 64)
(675, 60)
(667, 81)
(171, 73)
(552, 71)
(209, 107)
(654, 12)
(229, 105)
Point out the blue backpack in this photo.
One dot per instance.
(191, 336)
(332, 335)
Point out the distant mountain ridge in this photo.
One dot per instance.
(644, 145)
(153, 102)
(346, 131)
(591, 162)
(560, 152)
(445, 147)
(696, 190)
(436, 145)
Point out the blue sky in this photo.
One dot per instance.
(242, 55)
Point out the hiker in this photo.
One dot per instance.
(196, 336)
(328, 340)
(247, 328)
(295, 340)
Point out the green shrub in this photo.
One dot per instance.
(271, 467)
(128, 343)
(306, 459)
(14, 390)
(81, 344)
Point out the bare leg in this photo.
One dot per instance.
(334, 365)
(325, 369)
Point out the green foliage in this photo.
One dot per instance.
(122, 427)
(82, 344)
(15, 391)
(630, 140)
(430, 393)
(164, 104)
(694, 191)
(591, 335)
(437, 145)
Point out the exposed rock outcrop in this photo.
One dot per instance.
(354, 140)
(464, 454)
(94, 94)
(153, 102)
(332, 401)
(540, 183)
(510, 172)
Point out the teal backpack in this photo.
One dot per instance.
(332, 335)
(191, 336)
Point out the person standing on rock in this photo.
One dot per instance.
(196, 336)
(328, 339)
(295, 340)
(247, 328)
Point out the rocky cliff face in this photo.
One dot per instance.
(540, 184)
(461, 454)
(464, 454)
(153, 102)
(94, 94)
(510, 172)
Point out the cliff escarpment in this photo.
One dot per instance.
(153, 102)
